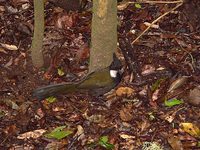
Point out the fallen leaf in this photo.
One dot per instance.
(96, 118)
(194, 97)
(12, 10)
(9, 63)
(3, 50)
(148, 69)
(80, 133)
(173, 102)
(144, 125)
(51, 99)
(21, 55)
(123, 5)
(151, 146)
(2, 9)
(126, 113)
(190, 128)
(65, 20)
(61, 72)
(9, 47)
(40, 113)
(156, 85)
(155, 95)
(126, 136)
(175, 142)
(83, 53)
(125, 91)
(11, 130)
(25, 6)
(19, 2)
(152, 25)
(59, 133)
(10, 103)
(32, 134)
(55, 145)
(138, 6)
(178, 83)
(103, 141)
(169, 116)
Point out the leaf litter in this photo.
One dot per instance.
(130, 120)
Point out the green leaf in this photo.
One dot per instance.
(198, 144)
(58, 133)
(61, 72)
(103, 141)
(173, 102)
(59, 128)
(138, 6)
(156, 84)
(51, 99)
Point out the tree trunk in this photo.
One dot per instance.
(104, 34)
(38, 35)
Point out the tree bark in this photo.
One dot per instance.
(104, 34)
(38, 35)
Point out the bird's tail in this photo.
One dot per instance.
(53, 90)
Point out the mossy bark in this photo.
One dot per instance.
(104, 34)
(38, 35)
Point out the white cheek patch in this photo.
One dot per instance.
(113, 73)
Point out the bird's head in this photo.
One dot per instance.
(116, 70)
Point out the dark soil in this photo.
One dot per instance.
(162, 55)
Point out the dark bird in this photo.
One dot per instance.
(96, 83)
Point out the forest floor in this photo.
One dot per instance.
(156, 105)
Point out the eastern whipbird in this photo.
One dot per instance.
(96, 83)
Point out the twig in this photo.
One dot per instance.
(4, 140)
(166, 13)
(156, 2)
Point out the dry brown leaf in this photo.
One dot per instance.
(194, 97)
(155, 95)
(80, 133)
(3, 50)
(9, 63)
(40, 113)
(32, 134)
(175, 142)
(19, 2)
(148, 69)
(25, 6)
(83, 53)
(64, 21)
(9, 47)
(155, 26)
(11, 130)
(126, 136)
(170, 116)
(2, 9)
(144, 125)
(55, 145)
(94, 118)
(125, 91)
(126, 113)
(122, 5)
(178, 83)
(21, 56)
